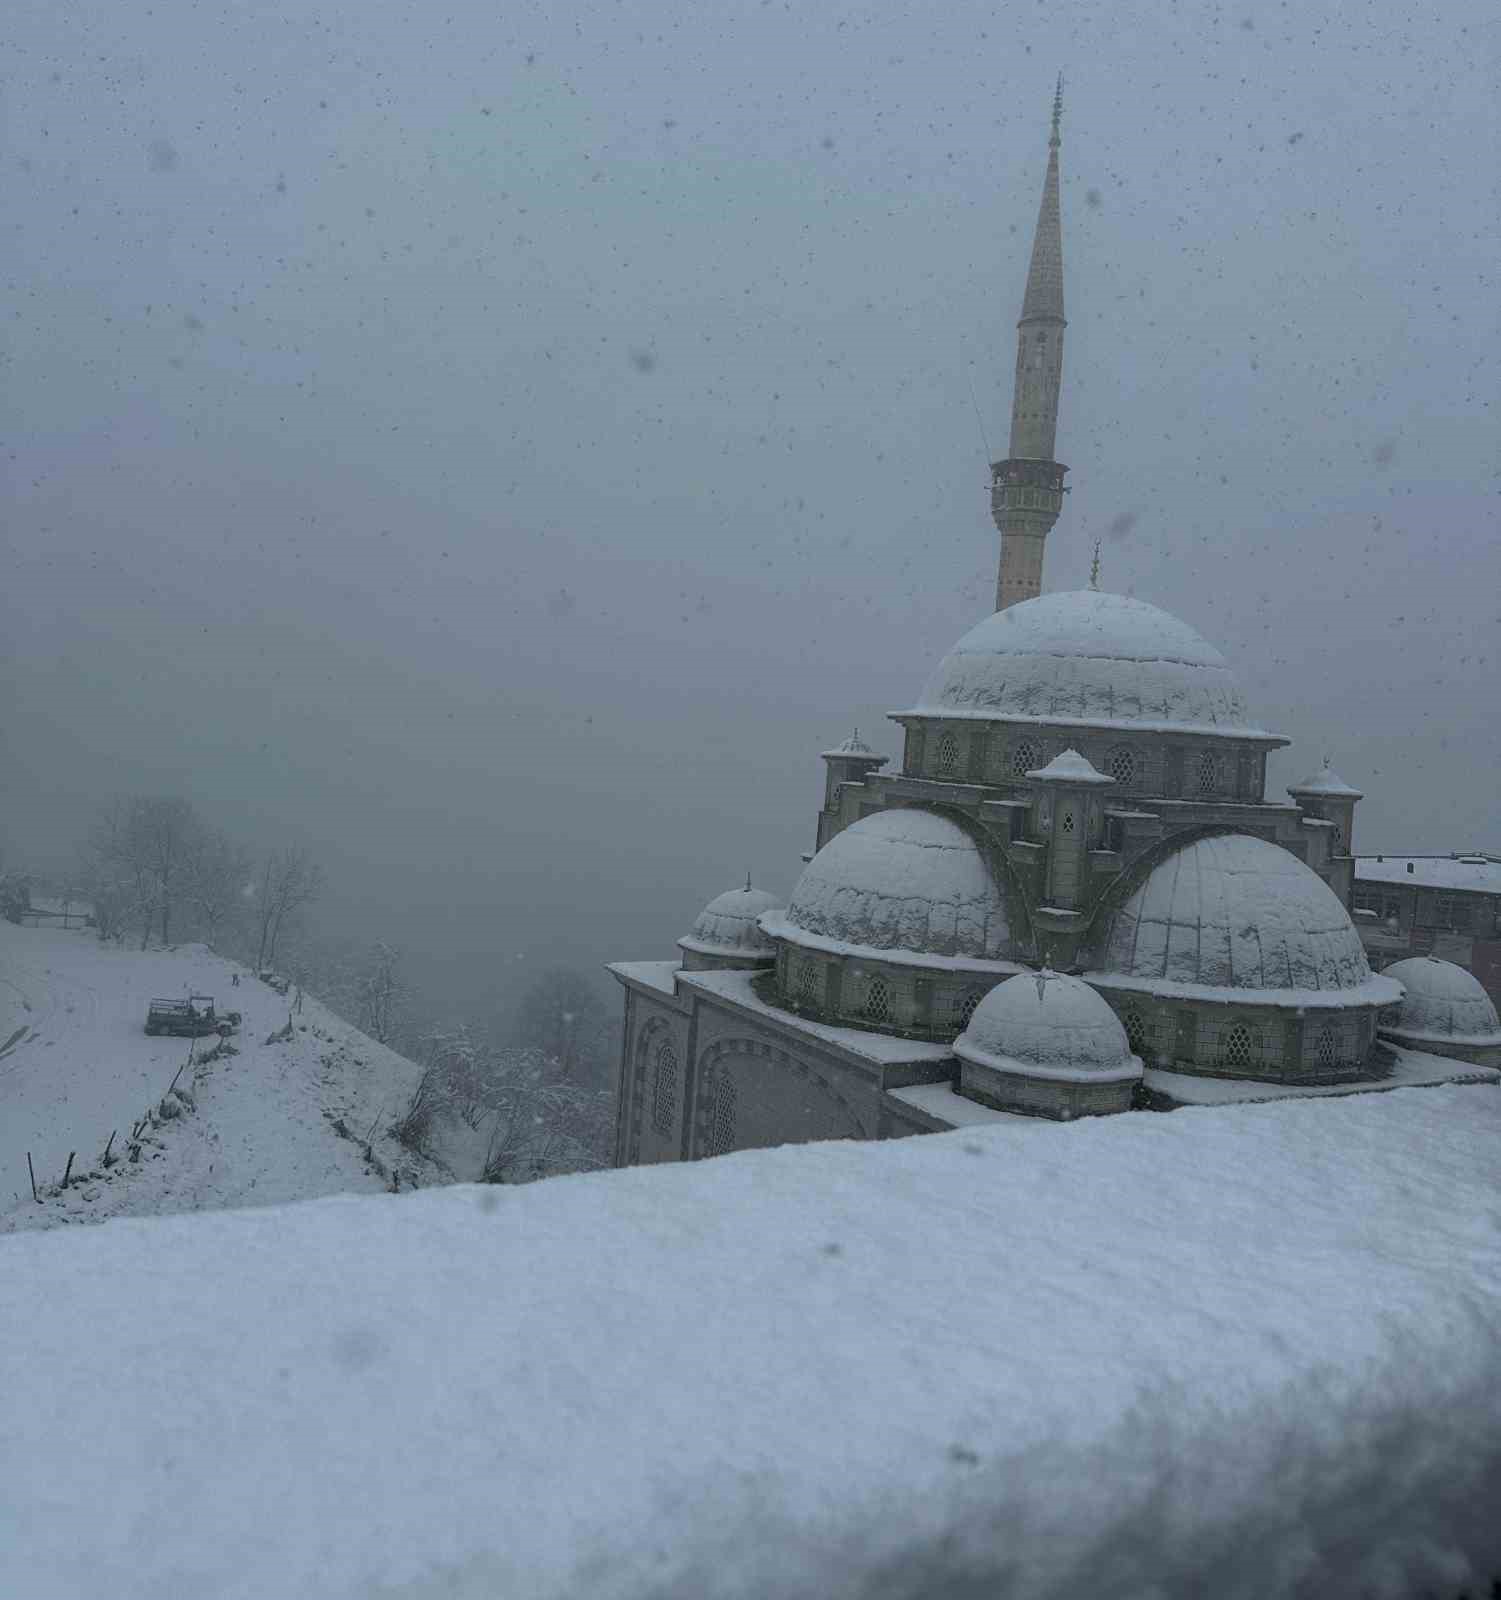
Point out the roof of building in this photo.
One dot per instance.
(1472, 871)
(1231, 914)
(1068, 766)
(1089, 657)
(1326, 781)
(728, 925)
(1442, 1003)
(904, 880)
(1047, 1025)
(855, 746)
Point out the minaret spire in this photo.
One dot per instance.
(1026, 491)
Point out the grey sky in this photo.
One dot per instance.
(500, 447)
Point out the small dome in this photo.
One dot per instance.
(1233, 912)
(1326, 782)
(1088, 657)
(901, 880)
(1044, 1025)
(1442, 1002)
(728, 924)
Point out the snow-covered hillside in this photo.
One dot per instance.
(1245, 1353)
(260, 1129)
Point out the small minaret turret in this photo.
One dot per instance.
(1026, 491)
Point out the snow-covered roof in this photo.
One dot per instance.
(1030, 1359)
(1236, 913)
(1048, 1025)
(728, 926)
(901, 880)
(1068, 766)
(1326, 781)
(1442, 1003)
(1094, 658)
(1482, 872)
(855, 746)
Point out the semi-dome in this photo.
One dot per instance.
(900, 881)
(1236, 913)
(1442, 1003)
(1046, 1025)
(729, 924)
(1088, 657)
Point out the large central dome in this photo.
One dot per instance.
(1088, 657)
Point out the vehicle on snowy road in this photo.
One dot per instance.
(192, 1018)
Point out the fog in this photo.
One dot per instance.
(499, 448)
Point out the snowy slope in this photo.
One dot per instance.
(1243, 1353)
(81, 1066)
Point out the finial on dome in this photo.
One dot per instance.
(1055, 141)
(1094, 567)
(747, 882)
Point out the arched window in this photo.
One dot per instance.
(722, 1128)
(1066, 825)
(877, 1000)
(1327, 1048)
(1136, 1030)
(1024, 759)
(1339, 839)
(965, 1007)
(1122, 765)
(809, 988)
(1209, 772)
(664, 1090)
(1239, 1048)
(948, 753)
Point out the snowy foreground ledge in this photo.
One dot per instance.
(1242, 1352)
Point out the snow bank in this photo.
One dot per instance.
(1239, 1353)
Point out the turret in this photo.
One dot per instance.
(1027, 491)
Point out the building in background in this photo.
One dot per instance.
(1445, 906)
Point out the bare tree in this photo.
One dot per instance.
(289, 882)
(562, 1016)
(138, 860)
(381, 994)
(218, 874)
(541, 1124)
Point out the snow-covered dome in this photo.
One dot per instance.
(728, 925)
(901, 880)
(1085, 656)
(1442, 1002)
(1045, 1025)
(1233, 912)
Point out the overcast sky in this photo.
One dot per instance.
(499, 446)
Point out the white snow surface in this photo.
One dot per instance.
(901, 880)
(1090, 657)
(1442, 1001)
(728, 923)
(1234, 1353)
(1068, 766)
(1432, 872)
(1048, 1025)
(1237, 913)
(1410, 1069)
(81, 1066)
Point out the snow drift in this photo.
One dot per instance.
(1249, 1351)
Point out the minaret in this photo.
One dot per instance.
(1026, 492)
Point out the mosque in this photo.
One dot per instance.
(1070, 896)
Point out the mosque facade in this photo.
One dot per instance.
(1065, 895)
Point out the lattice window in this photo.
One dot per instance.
(1024, 759)
(965, 1007)
(1238, 1048)
(948, 753)
(809, 989)
(1122, 764)
(1327, 1048)
(1067, 824)
(1209, 772)
(1136, 1031)
(1339, 840)
(664, 1090)
(722, 1129)
(877, 1000)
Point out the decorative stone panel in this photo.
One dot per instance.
(754, 1092)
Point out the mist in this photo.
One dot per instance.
(497, 451)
